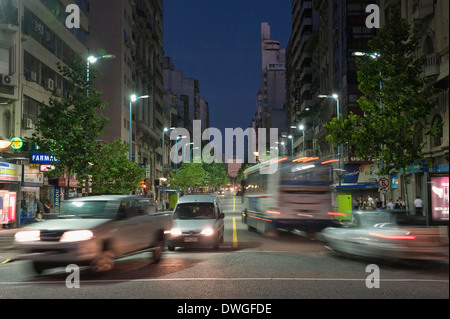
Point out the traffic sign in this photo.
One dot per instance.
(383, 182)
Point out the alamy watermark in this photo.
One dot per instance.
(259, 146)
(373, 19)
(73, 18)
(373, 279)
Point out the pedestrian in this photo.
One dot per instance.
(391, 205)
(47, 206)
(418, 204)
(355, 204)
(370, 202)
(400, 204)
(360, 203)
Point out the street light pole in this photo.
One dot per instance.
(89, 60)
(133, 98)
(302, 128)
(163, 160)
(292, 144)
(335, 97)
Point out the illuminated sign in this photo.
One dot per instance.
(439, 198)
(16, 143)
(37, 158)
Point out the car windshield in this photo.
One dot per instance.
(88, 209)
(194, 211)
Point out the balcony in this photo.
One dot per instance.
(432, 65)
(423, 9)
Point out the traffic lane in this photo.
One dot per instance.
(239, 275)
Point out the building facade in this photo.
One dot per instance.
(273, 72)
(33, 39)
(136, 40)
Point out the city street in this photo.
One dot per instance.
(246, 266)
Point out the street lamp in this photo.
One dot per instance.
(179, 137)
(284, 148)
(184, 152)
(302, 128)
(163, 178)
(89, 60)
(292, 144)
(335, 97)
(133, 98)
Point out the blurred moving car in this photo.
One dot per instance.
(197, 221)
(389, 234)
(221, 192)
(95, 231)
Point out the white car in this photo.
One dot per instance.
(197, 221)
(389, 234)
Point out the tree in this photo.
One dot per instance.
(396, 106)
(188, 175)
(216, 174)
(112, 172)
(68, 127)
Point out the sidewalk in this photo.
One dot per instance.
(7, 238)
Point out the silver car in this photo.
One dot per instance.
(95, 231)
(197, 221)
(389, 234)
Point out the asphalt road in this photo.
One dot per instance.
(247, 266)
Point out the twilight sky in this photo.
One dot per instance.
(218, 42)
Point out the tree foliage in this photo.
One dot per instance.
(113, 173)
(395, 104)
(68, 127)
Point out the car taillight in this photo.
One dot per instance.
(384, 236)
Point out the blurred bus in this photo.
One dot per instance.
(297, 196)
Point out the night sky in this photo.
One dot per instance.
(218, 43)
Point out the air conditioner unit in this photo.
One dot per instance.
(33, 76)
(5, 79)
(40, 29)
(27, 124)
(50, 84)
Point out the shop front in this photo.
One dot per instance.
(10, 178)
(31, 205)
(359, 182)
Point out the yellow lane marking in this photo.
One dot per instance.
(5, 261)
(235, 242)
(234, 203)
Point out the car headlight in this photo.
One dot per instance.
(27, 236)
(207, 231)
(175, 232)
(76, 235)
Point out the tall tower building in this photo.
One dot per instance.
(273, 71)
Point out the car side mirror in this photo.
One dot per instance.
(221, 216)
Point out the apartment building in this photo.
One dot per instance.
(33, 39)
(273, 73)
(300, 87)
(133, 32)
(431, 19)
(190, 105)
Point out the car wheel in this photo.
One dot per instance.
(103, 262)
(158, 250)
(171, 248)
(216, 244)
(39, 267)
